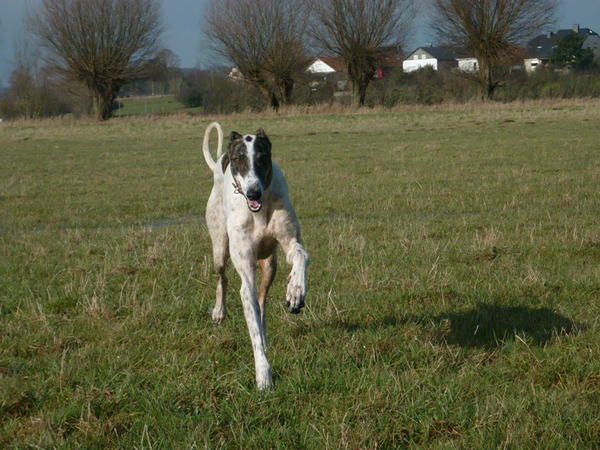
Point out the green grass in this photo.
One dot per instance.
(453, 288)
(145, 106)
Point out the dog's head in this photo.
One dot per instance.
(251, 166)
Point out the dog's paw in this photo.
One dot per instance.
(264, 380)
(294, 299)
(218, 315)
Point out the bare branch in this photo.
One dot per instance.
(356, 31)
(493, 31)
(100, 43)
(264, 39)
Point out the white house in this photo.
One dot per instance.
(326, 65)
(235, 75)
(468, 64)
(593, 42)
(435, 57)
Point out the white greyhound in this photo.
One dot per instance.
(247, 214)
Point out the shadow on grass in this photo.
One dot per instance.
(484, 326)
(489, 325)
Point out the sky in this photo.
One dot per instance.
(183, 18)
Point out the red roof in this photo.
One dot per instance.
(388, 59)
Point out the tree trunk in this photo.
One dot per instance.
(490, 88)
(274, 102)
(360, 92)
(360, 73)
(289, 87)
(489, 85)
(102, 100)
(270, 95)
(265, 89)
(487, 82)
(285, 86)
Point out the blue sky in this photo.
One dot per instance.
(182, 19)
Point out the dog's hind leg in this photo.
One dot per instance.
(268, 268)
(215, 221)
(220, 255)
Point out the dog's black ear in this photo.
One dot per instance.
(261, 133)
(234, 136)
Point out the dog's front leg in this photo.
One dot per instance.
(297, 257)
(244, 260)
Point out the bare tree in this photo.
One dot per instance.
(287, 55)
(99, 43)
(493, 31)
(263, 39)
(356, 31)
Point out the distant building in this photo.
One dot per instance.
(593, 42)
(329, 70)
(438, 58)
(333, 69)
(235, 75)
(324, 65)
(540, 48)
(390, 59)
(468, 64)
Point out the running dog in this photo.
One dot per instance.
(247, 214)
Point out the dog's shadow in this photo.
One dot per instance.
(489, 325)
(484, 326)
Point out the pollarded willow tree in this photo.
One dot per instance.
(101, 44)
(357, 31)
(493, 31)
(264, 39)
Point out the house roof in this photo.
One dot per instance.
(390, 57)
(334, 62)
(541, 46)
(439, 53)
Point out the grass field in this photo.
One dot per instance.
(453, 292)
(148, 105)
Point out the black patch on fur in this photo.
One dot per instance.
(263, 165)
(237, 156)
(225, 162)
(237, 152)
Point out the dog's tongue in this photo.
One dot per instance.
(254, 205)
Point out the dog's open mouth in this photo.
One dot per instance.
(254, 205)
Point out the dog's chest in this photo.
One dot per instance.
(252, 225)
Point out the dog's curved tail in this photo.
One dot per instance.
(205, 145)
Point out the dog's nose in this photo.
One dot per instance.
(254, 193)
